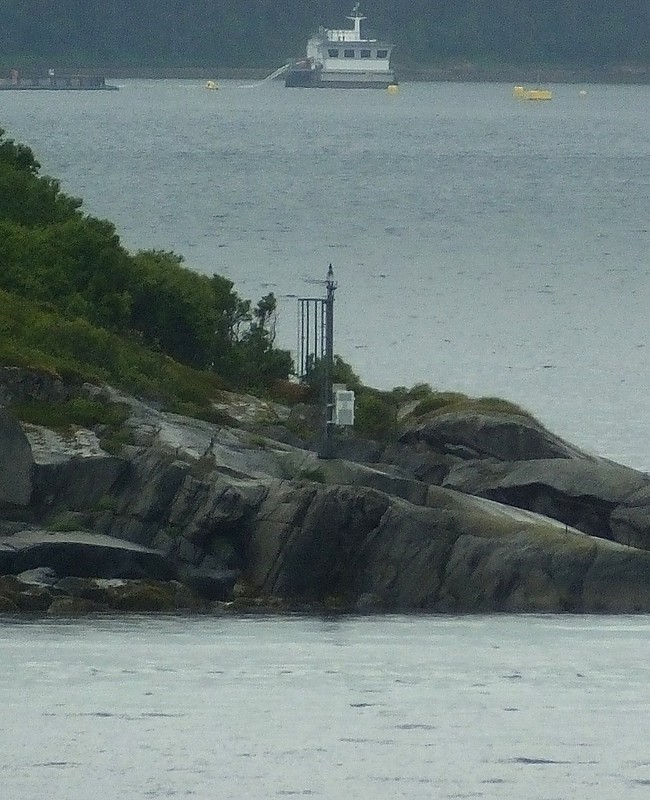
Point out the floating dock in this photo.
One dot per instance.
(54, 82)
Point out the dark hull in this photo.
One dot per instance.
(317, 79)
(300, 79)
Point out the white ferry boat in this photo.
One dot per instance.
(343, 59)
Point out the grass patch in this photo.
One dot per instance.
(106, 503)
(450, 402)
(77, 412)
(64, 522)
(112, 441)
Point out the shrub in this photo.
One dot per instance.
(289, 393)
(375, 416)
(112, 441)
(437, 401)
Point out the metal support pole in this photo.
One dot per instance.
(328, 366)
(316, 350)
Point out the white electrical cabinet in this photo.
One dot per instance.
(343, 407)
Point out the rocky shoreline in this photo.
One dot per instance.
(464, 512)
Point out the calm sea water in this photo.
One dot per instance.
(480, 244)
(532, 708)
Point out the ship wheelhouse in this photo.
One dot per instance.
(343, 58)
(353, 56)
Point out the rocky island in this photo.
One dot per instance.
(141, 471)
(464, 511)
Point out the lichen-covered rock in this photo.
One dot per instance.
(7, 559)
(34, 599)
(18, 385)
(506, 437)
(73, 607)
(630, 520)
(10, 586)
(40, 576)
(84, 554)
(307, 540)
(595, 496)
(142, 596)
(8, 605)
(459, 553)
(71, 470)
(16, 462)
(253, 523)
(210, 585)
(92, 589)
(618, 582)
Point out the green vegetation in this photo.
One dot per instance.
(437, 401)
(108, 419)
(314, 474)
(377, 412)
(375, 416)
(66, 521)
(74, 302)
(78, 411)
(177, 33)
(446, 402)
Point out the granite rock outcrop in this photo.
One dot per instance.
(466, 512)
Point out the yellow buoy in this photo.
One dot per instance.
(531, 94)
(211, 85)
(539, 94)
(392, 88)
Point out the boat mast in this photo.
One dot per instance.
(356, 17)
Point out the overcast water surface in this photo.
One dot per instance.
(504, 708)
(481, 244)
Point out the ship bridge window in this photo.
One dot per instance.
(333, 52)
(365, 54)
(382, 53)
(348, 53)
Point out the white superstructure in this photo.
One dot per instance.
(343, 58)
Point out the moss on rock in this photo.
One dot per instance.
(11, 587)
(73, 606)
(8, 605)
(142, 596)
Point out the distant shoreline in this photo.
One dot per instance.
(634, 74)
(466, 73)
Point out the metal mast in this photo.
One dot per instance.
(328, 400)
(316, 350)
